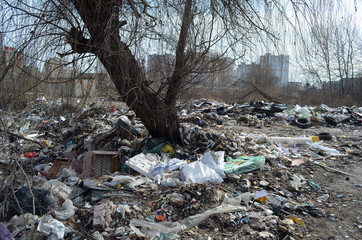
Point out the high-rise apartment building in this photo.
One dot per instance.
(277, 65)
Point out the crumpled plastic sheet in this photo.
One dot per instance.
(209, 169)
(142, 180)
(23, 222)
(197, 172)
(162, 167)
(215, 160)
(151, 229)
(67, 210)
(51, 227)
(58, 189)
(327, 150)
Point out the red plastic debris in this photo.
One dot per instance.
(42, 173)
(159, 218)
(114, 109)
(31, 155)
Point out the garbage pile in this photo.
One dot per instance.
(98, 174)
(263, 114)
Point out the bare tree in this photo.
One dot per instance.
(330, 47)
(260, 81)
(121, 33)
(347, 52)
(116, 32)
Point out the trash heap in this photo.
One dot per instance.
(244, 171)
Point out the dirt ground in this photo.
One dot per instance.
(342, 203)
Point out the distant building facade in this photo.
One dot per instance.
(277, 65)
(226, 72)
(12, 63)
(243, 71)
(55, 68)
(211, 70)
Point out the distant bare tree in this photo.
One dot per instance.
(260, 81)
(330, 47)
(348, 51)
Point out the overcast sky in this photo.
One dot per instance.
(288, 42)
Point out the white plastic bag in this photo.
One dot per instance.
(67, 210)
(51, 227)
(215, 160)
(58, 189)
(197, 172)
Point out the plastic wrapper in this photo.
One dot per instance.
(165, 167)
(171, 182)
(243, 164)
(302, 112)
(260, 194)
(296, 182)
(176, 199)
(97, 236)
(151, 229)
(140, 181)
(66, 173)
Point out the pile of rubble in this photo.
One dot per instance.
(250, 171)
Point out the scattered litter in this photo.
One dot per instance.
(97, 173)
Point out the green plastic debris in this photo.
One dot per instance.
(243, 164)
(314, 185)
(154, 145)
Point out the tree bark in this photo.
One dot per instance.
(178, 75)
(102, 22)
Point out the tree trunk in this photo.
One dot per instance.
(102, 22)
(161, 120)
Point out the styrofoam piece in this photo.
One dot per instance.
(143, 163)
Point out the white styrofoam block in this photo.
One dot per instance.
(142, 163)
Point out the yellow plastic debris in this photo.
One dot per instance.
(262, 199)
(136, 208)
(315, 138)
(297, 220)
(168, 149)
(45, 143)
